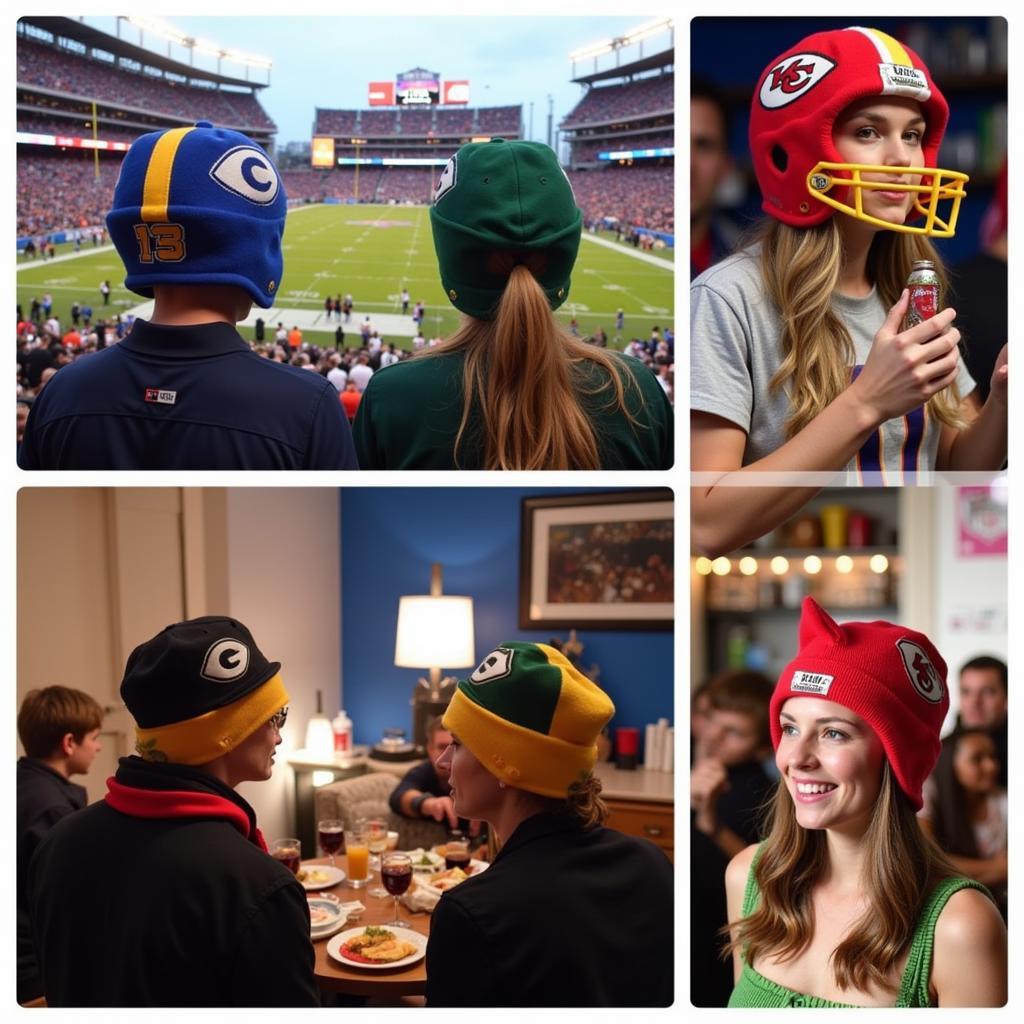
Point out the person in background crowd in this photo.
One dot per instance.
(984, 687)
(981, 291)
(424, 791)
(965, 809)
(728, 787)
(712, 237)
(350, 398)
(847, 902)
(524, 729)
(59, 729)
(169, 875)
(184, 390)
(511, 389)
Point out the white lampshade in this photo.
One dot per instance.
(435, 632)
(320, 737)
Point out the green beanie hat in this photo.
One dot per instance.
(530, 717)
(508, 197)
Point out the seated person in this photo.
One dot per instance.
(59, 729)
(424, 791)
(965, 809)
(728, 785)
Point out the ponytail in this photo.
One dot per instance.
(524, 377)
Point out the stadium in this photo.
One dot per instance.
(358, 187)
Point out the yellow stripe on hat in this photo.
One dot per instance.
(215, 733)
(156, 191)
(890, 50)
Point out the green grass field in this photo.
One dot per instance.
(371, 252)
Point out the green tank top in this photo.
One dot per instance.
(754, 989)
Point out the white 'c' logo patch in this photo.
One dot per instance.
(496, 665)
(225, 661)
(247, 173)
(447, 180)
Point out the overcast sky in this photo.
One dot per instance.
(329, 61)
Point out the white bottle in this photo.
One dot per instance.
(342, 726)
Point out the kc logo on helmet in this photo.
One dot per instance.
(921, 672)
(496, 665)
(793, 77)
(225, 661)
(248, 173)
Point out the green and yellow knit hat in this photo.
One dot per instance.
(198, 689)
(530, 718)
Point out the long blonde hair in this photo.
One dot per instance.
(902, 867)
(525, 376)
(800, 268)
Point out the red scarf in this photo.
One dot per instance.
(178, 803)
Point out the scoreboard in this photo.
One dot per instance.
(417, 88)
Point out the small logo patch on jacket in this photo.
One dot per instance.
(161, 396)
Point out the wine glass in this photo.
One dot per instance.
(396, 874)
(288, 852)
(331, 833)
(377, 840)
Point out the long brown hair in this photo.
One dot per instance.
(525, 378)
(800, 268)
(902, 867)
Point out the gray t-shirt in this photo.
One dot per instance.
(735, 351)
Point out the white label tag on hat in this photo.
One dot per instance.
(810, 682)
(898, 80)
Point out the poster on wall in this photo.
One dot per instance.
(981, 522)
(597, 561)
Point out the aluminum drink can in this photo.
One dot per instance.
(923, 283)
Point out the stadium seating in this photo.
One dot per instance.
(607, 104)
(641, 196)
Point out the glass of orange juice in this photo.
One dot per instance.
(358, 852)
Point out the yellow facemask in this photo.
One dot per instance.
(945, 185)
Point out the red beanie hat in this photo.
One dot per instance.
(893, 677)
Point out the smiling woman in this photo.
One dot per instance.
(847, 902)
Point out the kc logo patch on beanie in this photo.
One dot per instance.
(199, 205)
(889, 675)
(530, 717)
(198, 689)
(503, 196)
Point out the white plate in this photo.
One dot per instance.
(476, 865)
(336, 917)
(420, 941)
(332, 877)
(436, 861)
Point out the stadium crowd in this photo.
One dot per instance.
(59, 191)
(602, 104)
(641, 196)
(65, 72)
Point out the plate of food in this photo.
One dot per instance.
(325, 916)
(426, 861)
(319, 876)
(445, 880)
(377, 948)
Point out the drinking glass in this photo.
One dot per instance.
(456, 852)
(377, 841)
(288, 852)
(331, 833)
(358, 854)
(396, 874)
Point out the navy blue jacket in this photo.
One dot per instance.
(186, 398)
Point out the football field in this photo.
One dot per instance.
(372, 252)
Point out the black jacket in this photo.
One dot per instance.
(44, 797)
(562, 917)
(167, 911)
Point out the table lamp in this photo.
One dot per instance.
(435, 631)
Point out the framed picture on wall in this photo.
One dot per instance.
(597, 561)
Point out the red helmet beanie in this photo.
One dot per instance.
(889, 675)
(802, 92)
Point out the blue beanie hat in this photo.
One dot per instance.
(199, 205)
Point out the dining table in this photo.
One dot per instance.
(377, 982)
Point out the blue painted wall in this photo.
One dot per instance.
(390, 537)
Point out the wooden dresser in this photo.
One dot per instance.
(641, 803)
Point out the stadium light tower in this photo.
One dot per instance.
(635, 37)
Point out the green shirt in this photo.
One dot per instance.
(755, 990)
(410, 412)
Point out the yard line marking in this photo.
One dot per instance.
(646, 257)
